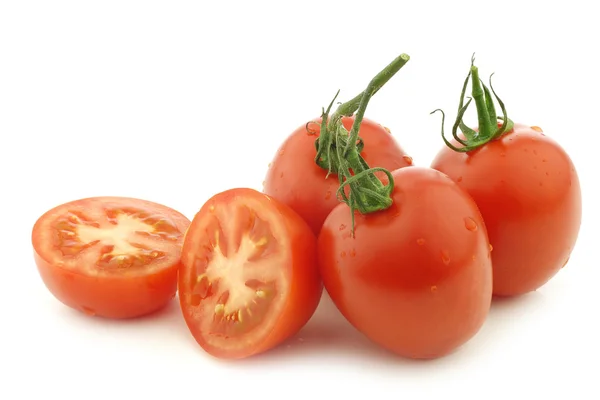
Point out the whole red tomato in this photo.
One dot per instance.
(527, 189)
(528, 192)
(416, 278)
(297, 181)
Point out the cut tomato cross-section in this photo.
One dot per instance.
(249, 278)
(110, 256)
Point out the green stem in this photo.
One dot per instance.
(486, 116)
(338, 150)
(485, 125)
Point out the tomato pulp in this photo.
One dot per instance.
(113, 257)
(296, 180)
(417, 277)
(528, 191)
(249, 277)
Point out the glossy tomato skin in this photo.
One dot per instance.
(528, 191)
(297, 181)
(118, 294)
(293, 257)
(416, 278)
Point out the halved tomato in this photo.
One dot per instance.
(249, 277)
(113, 257)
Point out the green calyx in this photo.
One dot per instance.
(338, 151)
(489, 128)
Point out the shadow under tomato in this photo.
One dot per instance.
(167, 319)
(516, 303)
(329, 334)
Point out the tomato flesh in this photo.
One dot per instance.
(297, 181)
(113, 257)
(529, 195)
(416, 278)
(249, 278)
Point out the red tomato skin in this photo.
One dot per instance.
(296, 180)
(305, 285)
(529, 194)
(417, 277)
(115, 297)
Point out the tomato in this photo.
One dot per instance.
(296, 180)
(416, 278)
(113, 257)
(249, 277)
(527, 189)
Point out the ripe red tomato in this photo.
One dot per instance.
(249, 278)
(417, 277)
(297, 181)
(113, 257)
(529, 195)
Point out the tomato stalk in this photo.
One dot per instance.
(338, 151)
(489, 129)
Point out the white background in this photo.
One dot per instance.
(175, 101)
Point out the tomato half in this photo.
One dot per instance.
(417, 277)
(249, 277)
(113, 257)
(297, 181)
(528, 191)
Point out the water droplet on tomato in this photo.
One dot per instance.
(420, 241)
(470, 224)
(281, 175)
(342, 227)
(544, 160)
(445, 257)
(88, 311)
(343, 254)
(459, 179)
(491, 248)
(433, 289)
(352, 253)
(281, 152)
(328, 195)
(408, 159)
(537, 128)
(547, 173)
